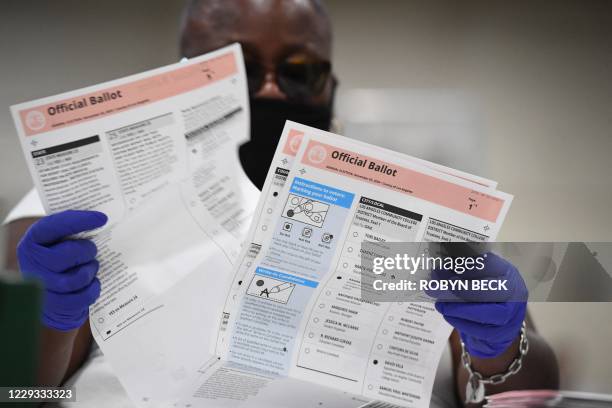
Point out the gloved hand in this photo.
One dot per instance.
(66, 267)
(488, 322)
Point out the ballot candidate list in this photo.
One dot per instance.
(387, 346)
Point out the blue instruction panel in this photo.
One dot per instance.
(321, 192)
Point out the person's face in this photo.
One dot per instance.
(286, 45)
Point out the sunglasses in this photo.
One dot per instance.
(297, 78)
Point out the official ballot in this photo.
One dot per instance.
(156, 152)
(211, 297)
(296, 310)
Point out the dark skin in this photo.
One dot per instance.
(269, 32)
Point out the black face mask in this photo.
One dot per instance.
(268, 118)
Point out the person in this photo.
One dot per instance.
(287, 52)
(287, 46)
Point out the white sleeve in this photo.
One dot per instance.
(29, 206)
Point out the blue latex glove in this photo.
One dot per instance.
(488, 322)
(66, 267)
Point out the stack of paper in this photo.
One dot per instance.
(548, 398)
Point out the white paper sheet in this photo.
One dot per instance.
(157, 152)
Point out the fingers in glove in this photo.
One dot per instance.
(73, 279)
(73, 302)
(66, 254)
(489, 332)
(55, 227)
(486, 313)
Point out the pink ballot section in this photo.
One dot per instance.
(394, 177)
(94, 105)
(292, 145)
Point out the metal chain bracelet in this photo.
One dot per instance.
(475, 390)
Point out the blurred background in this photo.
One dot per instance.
(515, 91)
